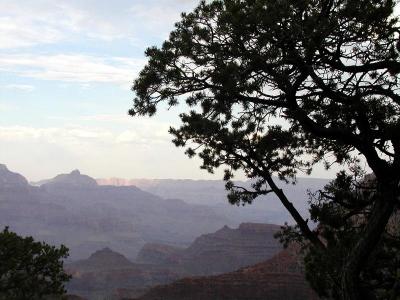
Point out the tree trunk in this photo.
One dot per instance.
(376, 224)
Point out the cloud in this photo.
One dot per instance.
(69, 24)
(6, 107)
(138, 131)
(124, 119)
(15, 33)
(81, 44)
(156, 17)
(60, 136)
(149, 136)
(114, 118)
(72, 67)
(19, 87)
(46, 21)
(145, 132)
(45, 152)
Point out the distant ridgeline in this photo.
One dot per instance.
(73, 209)
(265, 209)
(153, 240)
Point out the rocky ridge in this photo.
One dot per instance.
(72, 209)
(265, 209)
(106, 272)
(10, 180)
(275, 279)
(104, 259)
(222, 251)
(73, 180)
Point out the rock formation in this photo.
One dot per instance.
(265, 209)
(73, 210)
(105, 273)
(10, 180)
(104, 259)
(275, 279)
(222, 251)
(73, 180)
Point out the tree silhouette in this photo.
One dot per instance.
(30, 269)
(275, 87)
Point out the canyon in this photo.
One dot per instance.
(143, 238)
(107, 273)
(280, 277)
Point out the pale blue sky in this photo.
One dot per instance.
(66, 70)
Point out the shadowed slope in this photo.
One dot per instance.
(276, 279)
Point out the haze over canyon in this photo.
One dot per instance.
(126, 236)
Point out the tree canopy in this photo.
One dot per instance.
(275, 87)
(340, 227)
(30, 269)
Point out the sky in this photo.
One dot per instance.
(66, 68)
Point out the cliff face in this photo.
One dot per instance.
(223, 251)
(275, 279)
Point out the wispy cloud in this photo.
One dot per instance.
(140, 132)
(114, 118)
(134, 130)
(41, 22)
(6, 107)
(90, 48)
(16, 33)
(44, 152)
(61, 136)
(157, 19)
(19, 87)
(46, 21)
(72, 67)
(124, 119)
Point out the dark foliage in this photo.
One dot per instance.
(30, 269)
(274, 87)
(340, 226)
